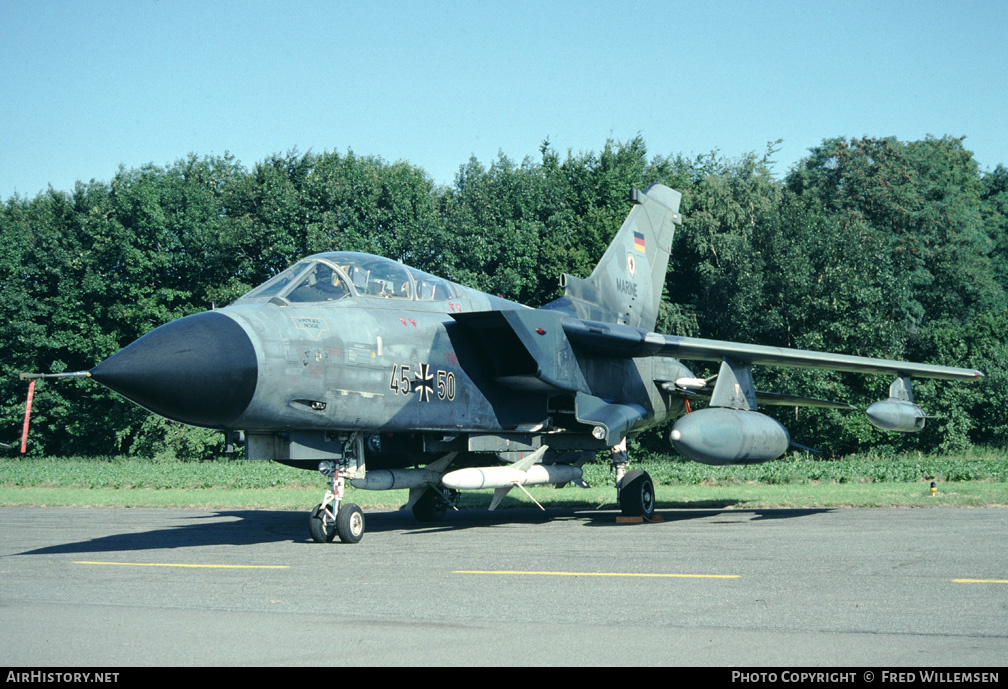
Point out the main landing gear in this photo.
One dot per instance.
(432, 505)
(333, 517)
(636, 494)
(634, 489)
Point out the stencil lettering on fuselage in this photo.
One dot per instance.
(314, 327)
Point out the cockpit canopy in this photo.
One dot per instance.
(341, 274)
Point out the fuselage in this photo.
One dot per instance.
(345, 341)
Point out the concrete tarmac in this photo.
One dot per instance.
(798, 587)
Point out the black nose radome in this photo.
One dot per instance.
(199, 370)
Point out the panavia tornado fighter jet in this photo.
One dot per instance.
(387, 377)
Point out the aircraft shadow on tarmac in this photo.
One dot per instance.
(250, 527)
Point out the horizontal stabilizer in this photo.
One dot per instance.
(771, 399)
(777, 399)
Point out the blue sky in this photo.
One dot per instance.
(90, 85)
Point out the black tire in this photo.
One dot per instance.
(350, 523)
(321, 527)
(431, 507)
(637, 494)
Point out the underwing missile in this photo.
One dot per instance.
(475, 478)
(391, 479)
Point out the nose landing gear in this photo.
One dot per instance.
(333, 517)
(347, 523)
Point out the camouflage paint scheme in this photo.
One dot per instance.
(345, 346)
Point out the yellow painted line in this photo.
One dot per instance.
(981, 581)
(178, 564)
(601, 574)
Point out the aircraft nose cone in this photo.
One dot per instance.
(199, 370)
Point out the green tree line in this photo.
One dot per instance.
(867, 246)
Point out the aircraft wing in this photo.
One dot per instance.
(716, 350)
(620, 340)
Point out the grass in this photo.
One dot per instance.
(975, 479)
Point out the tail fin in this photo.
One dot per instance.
(626, 285)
